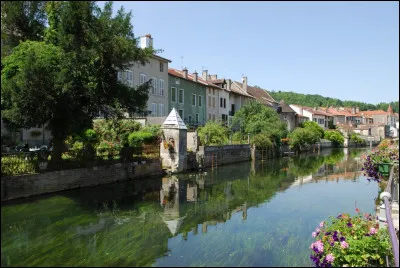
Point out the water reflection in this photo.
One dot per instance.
(167, 221)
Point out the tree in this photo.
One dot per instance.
(301, 137)
(213, 133)
(255, 118)
(80, 79)
(313, 126)
(21, 21)
(334, 136)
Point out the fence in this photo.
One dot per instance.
(21, 163)
(392, 191)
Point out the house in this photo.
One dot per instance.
(187, 94)
(388, 118)
(218, 91)
(318, 115)
(288, 115)
(155, 70)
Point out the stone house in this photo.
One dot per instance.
(288, 115)
(388, 118)
(317, 115)
(155, 70)
(218, 91)
(187, 94)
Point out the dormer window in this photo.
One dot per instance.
(161, 67)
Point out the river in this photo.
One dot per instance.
(246, 214)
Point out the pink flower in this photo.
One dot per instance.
(317, 230)
(320, 246)
(330, 257)
(321, 224)
(372, 231)
(314, 234)
(344, 244)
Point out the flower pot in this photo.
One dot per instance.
(384, 168)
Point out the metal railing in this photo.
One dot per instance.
(391, 192)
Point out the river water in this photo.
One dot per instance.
(246, 214)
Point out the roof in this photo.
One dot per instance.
(174, 120)
(313, 111)
(161, 58)
(286, 108)
(190, 77)
(217, 81)
(261, 95)
(237, 88)
(374, 112)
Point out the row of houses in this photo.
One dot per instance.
(203, 97)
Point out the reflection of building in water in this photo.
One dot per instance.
(191, 191)
(172, 192)
(302, 180)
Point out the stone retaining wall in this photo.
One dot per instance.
(208, 156)
(36, 184)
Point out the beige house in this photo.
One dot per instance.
(155, 70)
(317, 115)
(217, 97)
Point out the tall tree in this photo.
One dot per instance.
(21, 21)
(91, 47)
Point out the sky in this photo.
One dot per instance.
(344, 50)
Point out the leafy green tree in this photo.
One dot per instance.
(314, 127)
(21, 21)
(213, 133)
(334, 136)
(262, 140)
(255, 118)
(301, 137)
(77, 71)
(355, 137)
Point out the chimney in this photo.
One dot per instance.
(244, 80)
(353, 110)
(205, 75)
(357, 110)
(146, 41)
(228, 84)
(185, 73)
(214, 77)
(195, 76)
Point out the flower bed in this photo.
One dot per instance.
(350, 241)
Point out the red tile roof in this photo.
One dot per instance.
(190, 77)
(237, 88)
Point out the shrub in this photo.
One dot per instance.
(138, 138)
(350, 241)
(108, 150)
(355, 137)
(314, 127)
(262, 140)
(213, 133)
(334, 136)
(301, 137)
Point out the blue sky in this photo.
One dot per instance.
(344, 50)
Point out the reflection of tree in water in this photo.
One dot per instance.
(171, 195)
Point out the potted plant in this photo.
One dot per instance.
(377, 164)
(347, 241)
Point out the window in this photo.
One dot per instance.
(221, 102)
(190, 119)
(209, 116)
(213, 116)
(154, 109)
(126, 77)
(224, 103)
(142, 79)
(321, 121)
(180, 113)
(161, 87)
(199, 101)
(213, 102)
(173, 94)
(209, 90)
(180, 97)
(154, 85)
(161, 109)
(161, 67)
(209, 100)
(194, 99)
(314, 119)
(197, 118)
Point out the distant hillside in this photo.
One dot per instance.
(318, 100)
